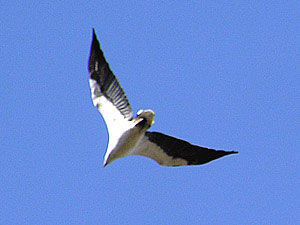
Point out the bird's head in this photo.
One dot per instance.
(146, 114)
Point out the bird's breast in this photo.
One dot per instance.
(124, 145)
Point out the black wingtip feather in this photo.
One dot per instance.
(94, 35)
(95, 52)
(233, 152)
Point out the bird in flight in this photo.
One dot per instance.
(128, 135)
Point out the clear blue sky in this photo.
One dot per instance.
(224, 75)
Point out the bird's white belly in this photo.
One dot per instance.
(123, 146)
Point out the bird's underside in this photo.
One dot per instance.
(128, 135)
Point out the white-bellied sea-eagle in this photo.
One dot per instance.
(129, 135)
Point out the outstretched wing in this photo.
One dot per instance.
(107, 94)
(104, 83)
(170, 151)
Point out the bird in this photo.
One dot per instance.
(129, 135)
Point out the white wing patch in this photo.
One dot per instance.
(115, 122)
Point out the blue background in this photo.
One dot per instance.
(221, 74)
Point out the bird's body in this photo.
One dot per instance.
(128, 135)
